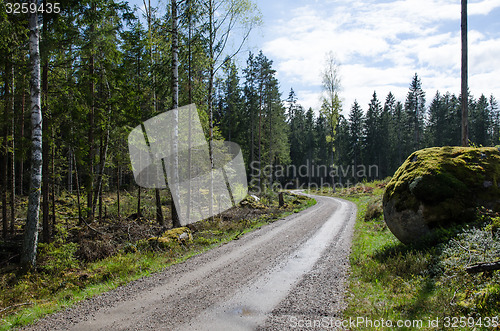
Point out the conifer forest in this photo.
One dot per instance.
(75, 79)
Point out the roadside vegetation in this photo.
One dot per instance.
(394, 282)
(84, 261)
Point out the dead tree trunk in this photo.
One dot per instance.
(465, 92)
(481, 267)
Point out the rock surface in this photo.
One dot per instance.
(440, 186)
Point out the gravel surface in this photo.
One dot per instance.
(290, 274)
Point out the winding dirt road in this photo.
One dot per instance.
(290, 274)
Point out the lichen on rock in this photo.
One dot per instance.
(439, 186)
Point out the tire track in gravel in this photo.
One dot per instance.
(289, 271)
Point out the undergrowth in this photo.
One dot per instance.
(427, 284)
(63, 278)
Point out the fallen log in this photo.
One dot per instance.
(485, 266)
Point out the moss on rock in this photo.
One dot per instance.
(174, 236)
(439, 186)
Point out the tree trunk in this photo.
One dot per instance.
(102, 162)
(210, 100)
(20, 189)
(190, 101)
(271, 147)
(138, 196)
(30, 243)
(175, 100)
(53, 189)
(13, 156)
(45, 153)
(90, 170)
(77, 182)
(118, 193)
(159, 213)
(465, 92)
(481, 267)
(260, 133)
(5, 159)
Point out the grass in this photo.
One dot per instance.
(61, 280)
(414, 285)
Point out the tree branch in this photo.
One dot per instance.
(480, 267)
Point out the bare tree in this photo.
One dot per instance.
(28, 257)
(465, 92)
(230, 15)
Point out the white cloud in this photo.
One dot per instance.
(381, 46)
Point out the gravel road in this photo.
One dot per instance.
(290, 274)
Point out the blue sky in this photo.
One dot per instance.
(379, 45)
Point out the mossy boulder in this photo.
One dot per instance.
(440, 186)
(180, 235)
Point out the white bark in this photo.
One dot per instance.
(28, 259)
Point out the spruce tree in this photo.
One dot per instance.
(415, 109)
(356, 135)
(372, 133)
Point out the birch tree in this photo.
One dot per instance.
(28, 257)
(331, 105)
(230, 15)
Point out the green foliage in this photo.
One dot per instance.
(374, 210)
(393, 281)
(62, 280)
(57, 256)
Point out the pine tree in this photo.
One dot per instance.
(232, 117)
(321, 152)
(454, 118)
(372, 133)
(479, 123)
(384, 141)
(251, 108)
(494, 134)
(415, 109)
(356, 135)
(297, 127)
(310, 143)
(398, 136)
(343, 149)
(437, 121)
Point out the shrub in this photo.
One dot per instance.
(374, 210)
(56, 257)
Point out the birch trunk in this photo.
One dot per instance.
(30, 243)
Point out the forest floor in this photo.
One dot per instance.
(83, 261)
(425, 288)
